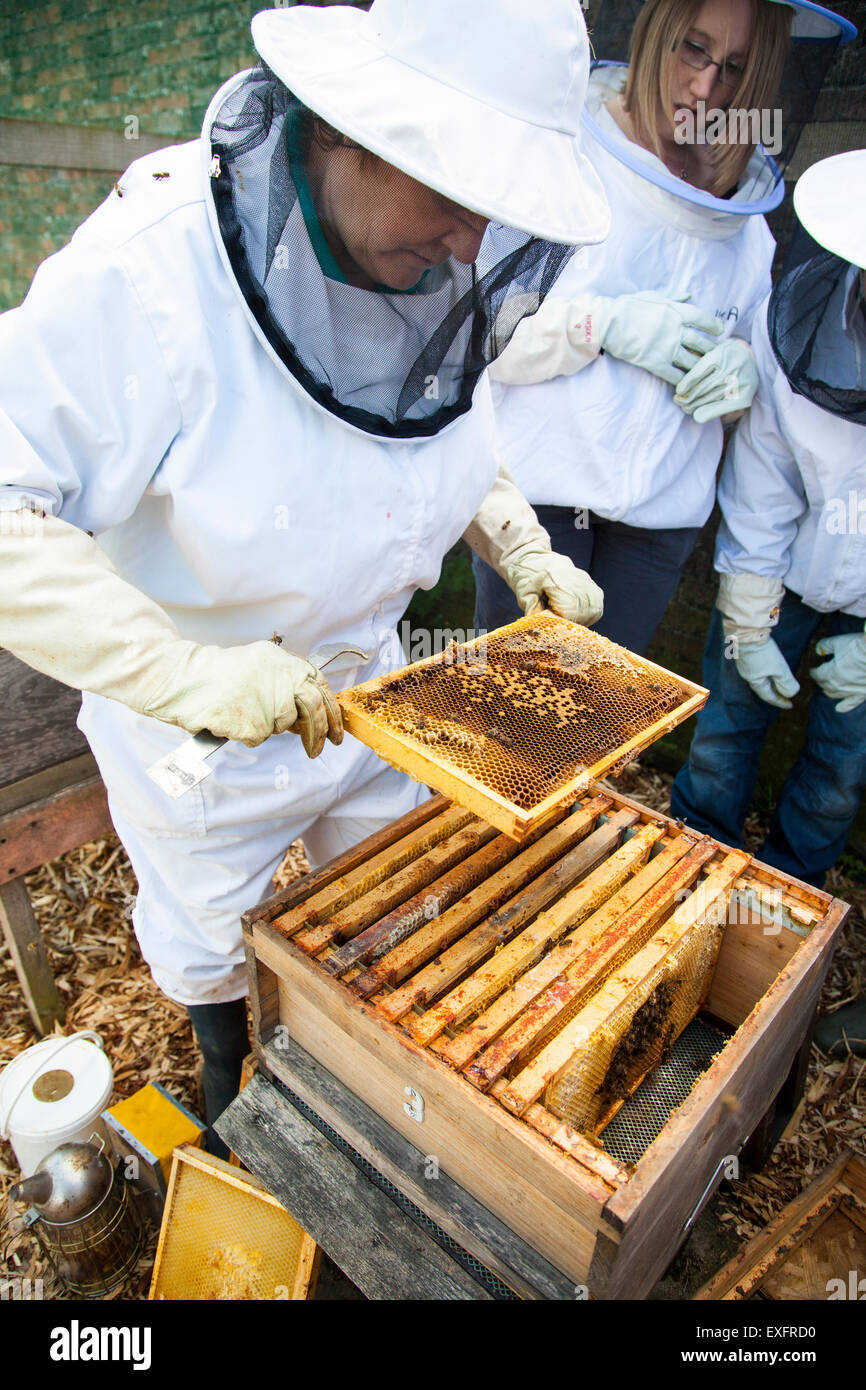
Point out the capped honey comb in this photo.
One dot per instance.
(516, 724)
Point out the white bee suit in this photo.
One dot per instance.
(608, 436)
(140, 402)
(793, 493)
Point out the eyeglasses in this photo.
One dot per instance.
(692, 54)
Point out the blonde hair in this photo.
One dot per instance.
(658, 32)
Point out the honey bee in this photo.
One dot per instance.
(118, 190)
(161, 176)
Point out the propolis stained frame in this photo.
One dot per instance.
(609, 1227)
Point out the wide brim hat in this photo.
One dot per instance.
(830, 201)
(479, 101)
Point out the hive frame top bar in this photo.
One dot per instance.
(415, 754)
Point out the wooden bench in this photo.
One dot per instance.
(371, 1204)
(51, 800)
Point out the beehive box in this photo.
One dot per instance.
(516, 724)
(499, 1004)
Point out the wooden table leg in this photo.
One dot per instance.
(29, 955)
(792, 1092)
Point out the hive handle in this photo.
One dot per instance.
(726, 1158)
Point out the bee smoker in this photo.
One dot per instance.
(87, 1227)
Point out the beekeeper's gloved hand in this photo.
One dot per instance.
(508, 536)
(750, 604)
(662, 334)
(66, 611)
(764, 668)
(544, 579)
(844, 677)
(724, 382)
(247, 693)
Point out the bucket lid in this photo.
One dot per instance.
(54, 1087)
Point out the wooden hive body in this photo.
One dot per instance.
(457, 981)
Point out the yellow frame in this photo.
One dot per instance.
(466, 790)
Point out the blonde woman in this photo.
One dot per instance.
(610, 400)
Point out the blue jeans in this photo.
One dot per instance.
(637, 568)
(821, 794)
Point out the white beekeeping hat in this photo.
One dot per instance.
(830, 201)
(815, 316)
(478, 99)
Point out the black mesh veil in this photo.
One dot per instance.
(816, 322)
(394, 363)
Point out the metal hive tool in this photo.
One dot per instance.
(515, 725)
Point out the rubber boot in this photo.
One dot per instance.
(843, 1029)
(221, 1032)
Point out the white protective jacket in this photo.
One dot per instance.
(139, 402)
(793, 493)
(609, 437)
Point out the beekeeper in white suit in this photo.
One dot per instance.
(248, 404)
(791, 553)
(611, 399)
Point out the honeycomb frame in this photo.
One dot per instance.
(396, 715)
(225, 1238)
(638, 1033)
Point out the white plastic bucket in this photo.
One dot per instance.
(54, 1093)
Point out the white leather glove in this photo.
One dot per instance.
(764, 668)
(750, 604)
(67, 612)
(724, 382)
(660, 333)
(559, 339)
(844, 677)
(648, 329)
(543, 579)
(508, 536)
